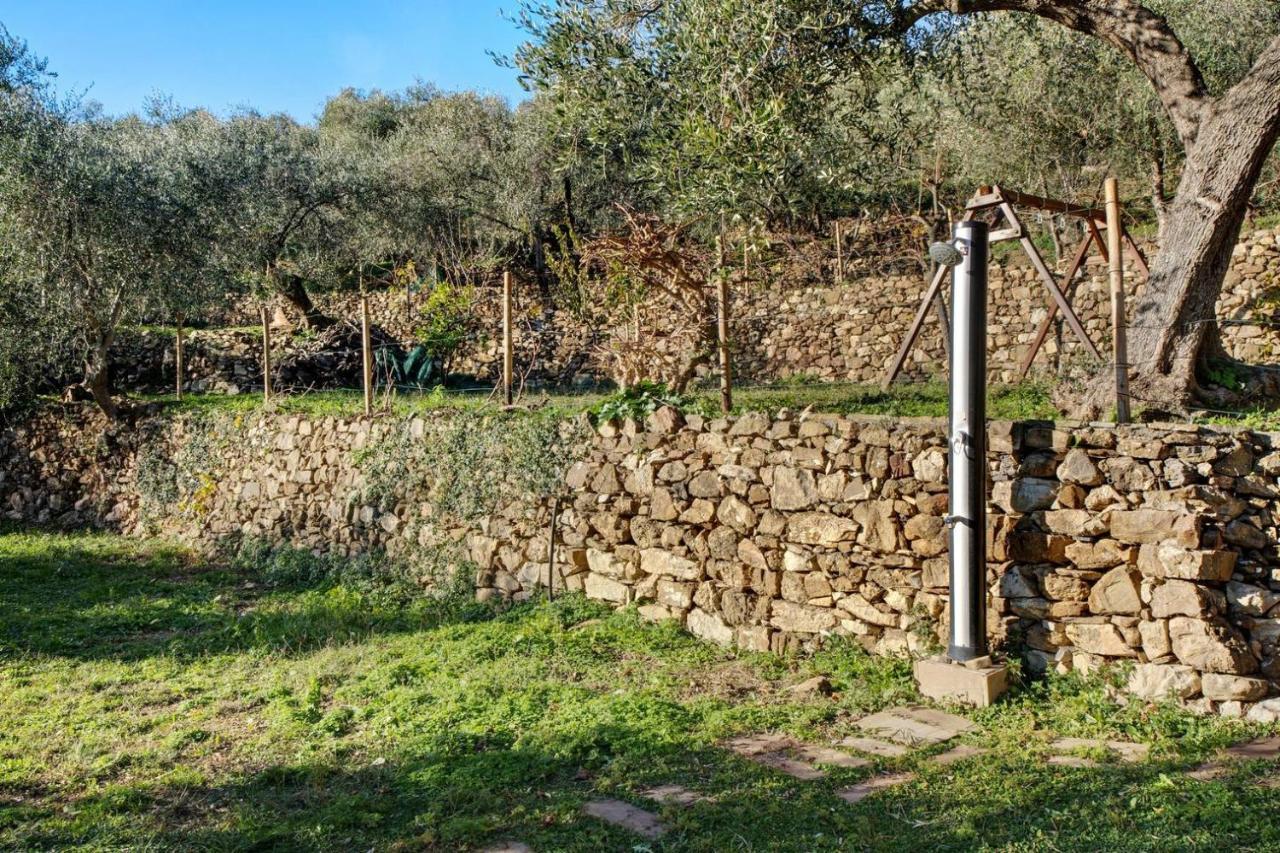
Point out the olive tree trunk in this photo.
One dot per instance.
(1174, 323)
(97, 374)
(294, 290)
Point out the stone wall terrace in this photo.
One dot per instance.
(1149, 545)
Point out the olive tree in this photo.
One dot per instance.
(707, 106)
(99, 218)
(1225, 138)
(291, 195)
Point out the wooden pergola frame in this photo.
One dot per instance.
(999, 205)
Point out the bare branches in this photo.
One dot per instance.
(657, 298)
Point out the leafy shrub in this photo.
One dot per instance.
(470, 464)
(157, 482)
(410, 371)
(641, 400)
(448, 320)
(1226, 374)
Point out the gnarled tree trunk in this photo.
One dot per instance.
(293, 289)
(97, 374)
(1174, 324)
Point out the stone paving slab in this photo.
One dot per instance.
(827, 755)
(1260, 749)
(792, 757)
(955, 754)
(802, 770)
(916, 726)
(1071, 761)
(509, 847)
(1208, 772)
(1127, 751)
(942, 719)
(674, 794)
(749, 745)
(1252, 750)
(626, 816)
(866, 788)
(871, 746)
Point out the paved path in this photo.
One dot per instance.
(1261, 749)
(890, 734)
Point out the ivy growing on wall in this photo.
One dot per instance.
(175, 472)
(468, 464)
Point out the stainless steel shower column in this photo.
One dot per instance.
(968, 466)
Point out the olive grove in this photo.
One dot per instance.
(728, 106)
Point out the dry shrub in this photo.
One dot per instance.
(656, 295)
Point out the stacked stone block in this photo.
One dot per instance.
(1154, 546)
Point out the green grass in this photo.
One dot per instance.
(1022, 402)
(1004, 402)
(149, 700)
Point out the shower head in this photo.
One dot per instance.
(946, 254)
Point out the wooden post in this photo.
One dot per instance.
(722, 330)
(266, 355)
(366, 347)
(508, 356)
(177, 359)
(1115, 260)
(551, 549)
(839, 254)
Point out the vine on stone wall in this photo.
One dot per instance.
(468, 464)
(175, 471)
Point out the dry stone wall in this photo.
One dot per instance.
(851, 332)
(1154, 546)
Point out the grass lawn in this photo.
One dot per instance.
(929, 399)
(149, 700)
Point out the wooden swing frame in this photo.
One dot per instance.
(1000, 205)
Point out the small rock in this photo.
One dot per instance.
(1266, 711)
(1116, 593)
(1078, 468)
(819, 685)
(1226, 688)
(1099, 638)
(1210, 646)
(1172, 561)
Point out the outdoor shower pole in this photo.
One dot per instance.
(968, 437)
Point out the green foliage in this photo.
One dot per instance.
(470, 463)
(1029, 401)
(572, 284)
(779, 111)
(448, 320)
(101, 221)
(156, 480)
(641, 400)
(1226, 374)
(708, 106)
(425, 572)
(412, 370)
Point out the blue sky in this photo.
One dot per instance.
(274, 55)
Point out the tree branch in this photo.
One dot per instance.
(1139, 33)
(1259, 89)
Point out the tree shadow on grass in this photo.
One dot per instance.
(465, 792)
(107, 598)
